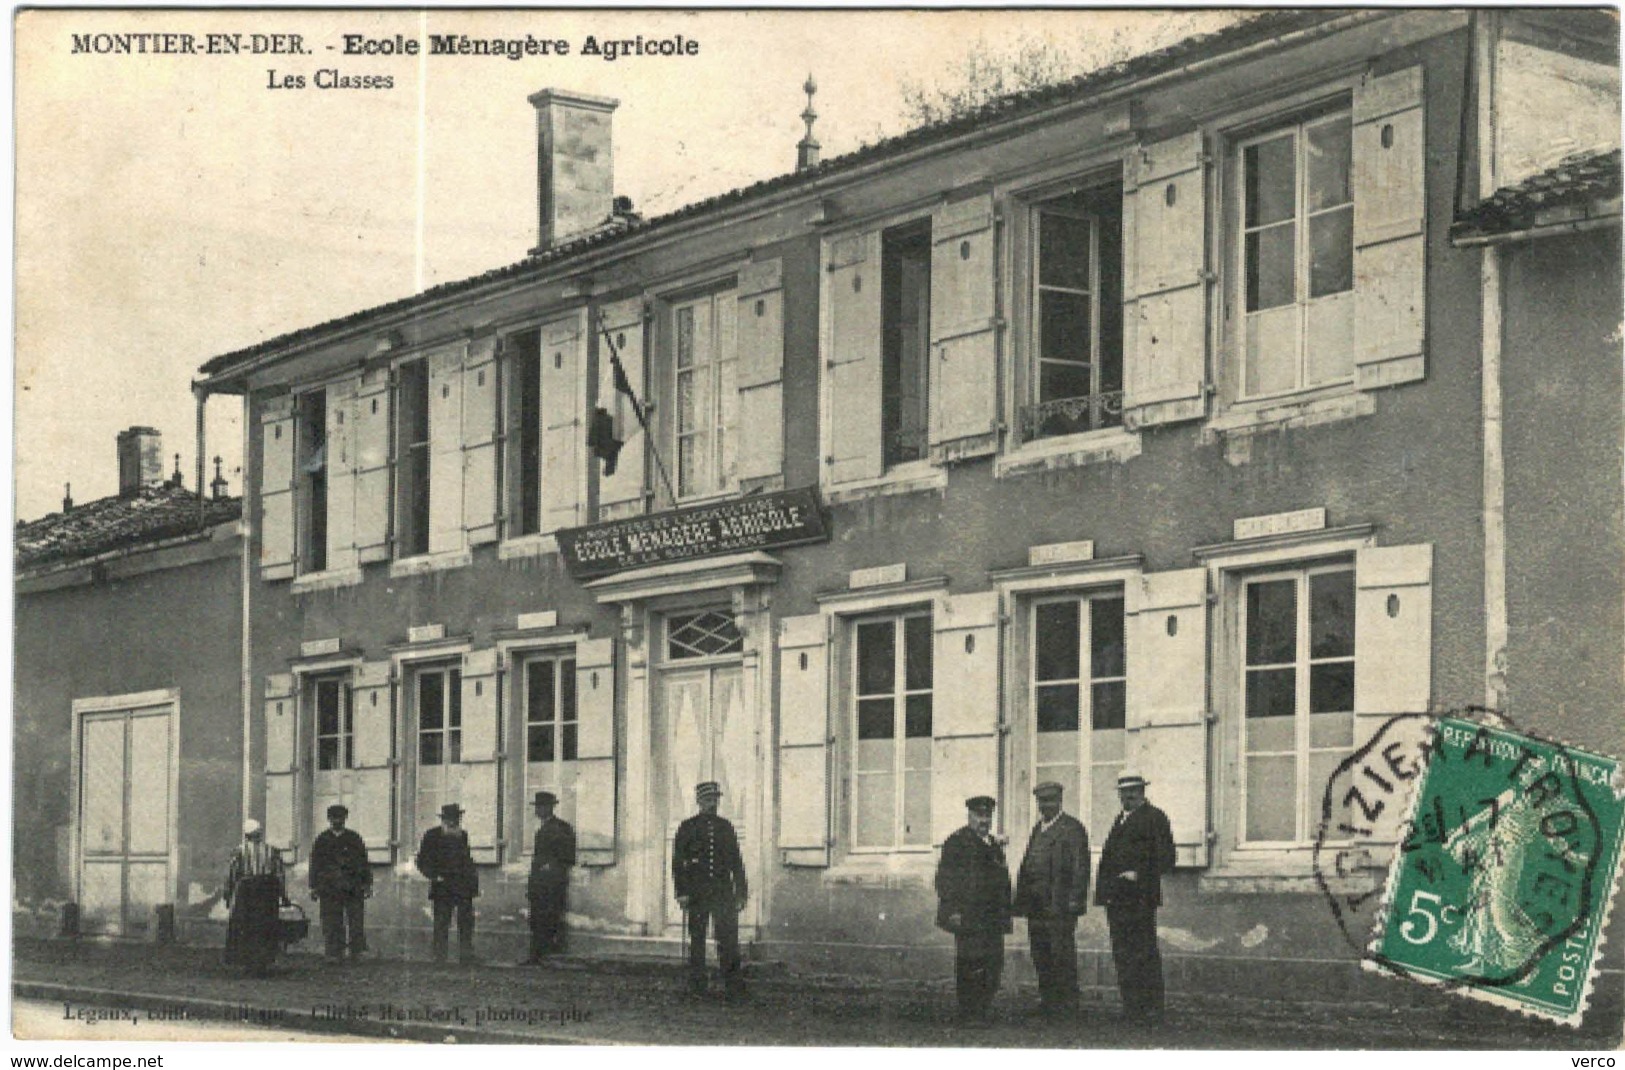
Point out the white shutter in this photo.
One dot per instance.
(760, 341)
(853, 451)
(371, 442)
(1165, 292)
(595, 752)
(276, 489)
(964, 335)
(1390, 229)
(341, 463)
(964, 708)
(1167, 715)
(478, 770)
(563, 436)
(623, 327)
(479, 445)
(281, 765)
(446, 450)
(804, 740)
(372, 813)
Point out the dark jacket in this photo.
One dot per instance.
(1142, 841)
(552, 855)
(973, 881)
(705, 860)
(338, 864)
(446, 860)
(1054, 876)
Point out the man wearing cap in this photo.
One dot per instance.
(1052, 890)
(341, 881)
(973, 903)
(552, 854)
(708, 875)
(454, 883)
(1139, 852)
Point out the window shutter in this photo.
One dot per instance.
(479, 442)
(371, 812)
(563, 436)
(281, 764)
(964, 330)
(964, 708)
(595, 752)
(853, 450)
(760, 333)
(804, 740)
(276, 489)
(1167, 716)
(1165, 321)
(479, 770)
(1390, 232)
(370, 439)
(446, 450)
(623, 325)
(340, 432)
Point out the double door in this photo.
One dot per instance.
(125, 819)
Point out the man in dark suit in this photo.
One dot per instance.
(553, 854)
(341, 882)
(1052, 890)
(708, 875)
(1139, 852)
(973, 903)
(454, 883)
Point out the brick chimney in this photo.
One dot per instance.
(140, 460)
(575, 164)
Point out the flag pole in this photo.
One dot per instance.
(624, 385)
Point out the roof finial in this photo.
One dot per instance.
(67, 497)
(217, 486)
(807, 148)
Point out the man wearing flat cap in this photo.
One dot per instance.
(973, 903)
(708, 876)
(454, 883)
(1139, 852)
(340, 882)
(552, 855)
(1052, 890)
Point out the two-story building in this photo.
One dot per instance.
(1137, 421)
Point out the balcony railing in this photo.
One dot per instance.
(1071, 416)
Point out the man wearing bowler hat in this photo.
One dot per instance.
(552, 855)
(1139, 852)
(708, 875)
(973, 903)
(341, 881)
(1052, 890)
(454, 883)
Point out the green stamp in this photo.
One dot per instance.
(1504, 876)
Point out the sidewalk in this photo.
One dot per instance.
(631, 1001)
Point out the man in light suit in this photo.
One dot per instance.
(1139, 852)
(1052, 890)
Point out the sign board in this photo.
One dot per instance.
(547, 618)
(315, 648)
(1256, 527)
(1056, 553)
(757, 522)
(878, 576)
(426, 633)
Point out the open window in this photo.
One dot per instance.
(905, 324)
(412, 473)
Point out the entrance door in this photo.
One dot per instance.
(124, 819)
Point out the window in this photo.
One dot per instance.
(335, 724)
(1297, 256)
(519, 409)
(891, 688)
(712, 633)
(551, 724)
(311, 420)
(437, 699)
(707, 411)
(1076, 314)
(1297, 697)
(905, 341)
(412, 452)
(1078, 698)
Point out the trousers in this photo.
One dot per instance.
(343, 923)
(978, 967)
(546, 922)
(444, 908)
(1137, 959)
(1054, 943)
(720, 915)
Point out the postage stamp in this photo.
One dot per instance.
(1505, 875)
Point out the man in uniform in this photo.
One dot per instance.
(708, 875)
(341, 882)
(973, 903)
(1052, 890)
(553, 853)
(1139, 852)
(454, 883)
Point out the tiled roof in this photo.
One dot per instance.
(1259, 28)
(114, 523)
(1583, 186)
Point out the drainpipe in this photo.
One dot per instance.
(1496, 625)
(245, 575)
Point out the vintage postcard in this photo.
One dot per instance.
(819, 528)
